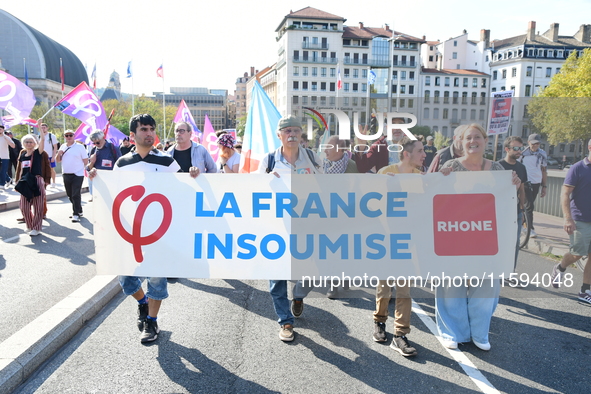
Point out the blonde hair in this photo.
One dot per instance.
(473, 126)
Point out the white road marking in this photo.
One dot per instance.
(473, 373)
(12, 238)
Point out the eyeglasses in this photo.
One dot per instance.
(517, 148)
(96, 142)
(29, 142)
(68, 135)
(180, 131)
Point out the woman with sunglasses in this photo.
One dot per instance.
(32, 159)
(463, 313)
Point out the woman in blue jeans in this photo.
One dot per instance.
(463, 313)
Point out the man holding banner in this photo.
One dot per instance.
(290, 157)
(146, 159)
(190, 155)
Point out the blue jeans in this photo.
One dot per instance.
(278, 291)
(157, 287)
(463, 313)
(4, 163)
(519, 226)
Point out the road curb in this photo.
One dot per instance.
(5, 206)
(541, 245)
(23, 352)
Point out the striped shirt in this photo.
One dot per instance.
(155, 161)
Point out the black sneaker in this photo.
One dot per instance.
(379, 332)
(297, 308)
(150, 332)
(142, 314)
(402, 346)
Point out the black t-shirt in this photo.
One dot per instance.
(125, 150)
(430, 152)
(183, 157)
(26, 163)
(519, 170)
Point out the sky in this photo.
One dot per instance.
(211, 43)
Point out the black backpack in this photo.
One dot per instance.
(271, 160)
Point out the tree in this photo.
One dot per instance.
(440, 141)
(420, 130)
(562, 111)
(241, 126)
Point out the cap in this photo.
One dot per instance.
(429, 138)
(289, 121)
(226, 140)
(534, 138)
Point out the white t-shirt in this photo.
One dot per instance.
(73, 159)
(4, 151)
(235, 159)
(533, 162)
(48, 148)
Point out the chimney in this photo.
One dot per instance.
(531, 31)
(424, 38)
(387, 27)
(251, 71)
(361, 25)
(245, 75)
(584, 34)
(552, 33)
(485, 37)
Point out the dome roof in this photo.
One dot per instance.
(21, 41)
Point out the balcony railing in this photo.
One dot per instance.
(321, 60)
(311, 45)
(398, 63)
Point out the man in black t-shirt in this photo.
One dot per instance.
(513, 148)
(430, 151)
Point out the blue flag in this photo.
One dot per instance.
(371, 77)
(129, 69)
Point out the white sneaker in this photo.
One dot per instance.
(90, 199)
(6, 186)
(75, 219)
(34, 233)
(27, 231)
(448, 343)
(533, 234)
(482, 346)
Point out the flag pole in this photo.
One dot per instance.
(163, 106)
(48, 111)
(132, 96)
(63, 82)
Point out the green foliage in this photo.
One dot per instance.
(440, 141)
(241, 125)
(420, 130)
(562, 111)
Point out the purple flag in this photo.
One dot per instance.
(10, 121)
(15, 97)
(115, 136)
(183, 114)
(83, 104)
(83, 133)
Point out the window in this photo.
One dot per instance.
(305, 71)
(411, 103)
(411, 89)
(435, 113)
(331, 100)
(560, 53)
(456, 82)
(323, 72)
(527, 90)
(472, 114)
(481, 115)
(314, 86)
(571, 148)
(528, 71)
(455, 43)
(483, 99)
(402, 89)
(314, 71)
(394, 74)
(304, 85)
(494, 89)
(427, 95)
(364, 73)
(455, 97)
(437, 81)
(411, 75)
(444, 130)
(394, 88)
(502, 88)
(305, 55)
(445, 113)
(504, 73)
(557, 70)
(483, 84)
(454, 55)
(296, 85)
(446, 97)
(402, 103)
(426, 113)
(548, 72)
(514, 72)
(322, 100)
(436, 97)
(355, 73)
(403, 75)
(446, 81)
(538, 72)
(296, 71)
(296, 55)
(314, 100)
(355, 87)
(355, 101)
(333, 72)
(346, 72)
(562, 148)
(346, 86)
(305, 100)
(294, 100)
(474, 95)
(430, 58)
(465, 82)
(464, 97)
(427, 81)
(364, 87)
(474, 82)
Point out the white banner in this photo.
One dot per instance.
(239, 226)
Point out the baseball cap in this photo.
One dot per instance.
(289, 121)
(429, 138)
(534, 138)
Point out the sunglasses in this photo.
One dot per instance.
(68, 135)
(96, 142)
(517, 148)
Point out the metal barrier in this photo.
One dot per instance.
(550, 204)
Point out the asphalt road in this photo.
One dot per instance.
(220, 336)
(38, 272)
